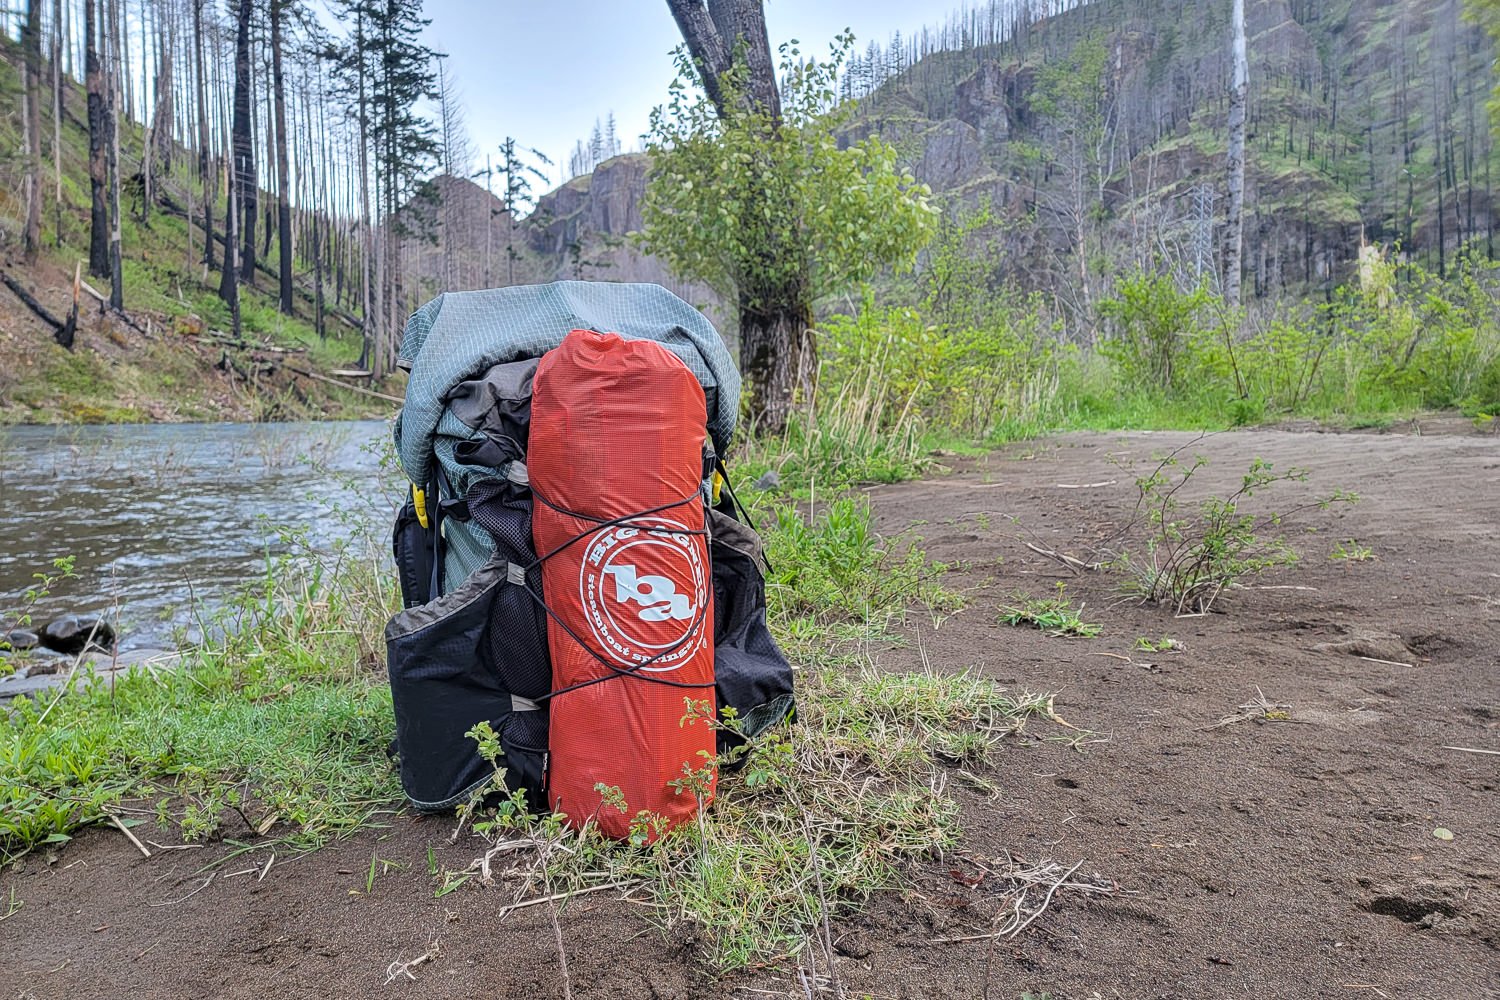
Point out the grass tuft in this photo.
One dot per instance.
(1054, 615)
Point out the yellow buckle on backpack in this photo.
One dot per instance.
(419, 501)
(718, 485)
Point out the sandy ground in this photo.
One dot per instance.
(1293, 857)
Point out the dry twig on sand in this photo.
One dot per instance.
(115, 819)
(1259, 710)
(1019, 907)
(399, 968)
(1070, 562)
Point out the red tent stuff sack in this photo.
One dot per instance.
(616, 463)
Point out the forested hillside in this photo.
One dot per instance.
(203, 191)
(1098, 137)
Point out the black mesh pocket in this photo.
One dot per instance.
(517, 636)
(750, 673)
(442, 684)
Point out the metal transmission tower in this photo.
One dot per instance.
(1203, 229)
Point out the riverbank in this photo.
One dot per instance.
(157, 525)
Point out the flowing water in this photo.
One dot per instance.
(164, 521)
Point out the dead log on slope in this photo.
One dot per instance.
(62, 330)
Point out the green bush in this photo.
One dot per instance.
(1156, 334)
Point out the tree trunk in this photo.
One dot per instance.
(229, 286)
(369, 314)
(31, 126)
(115, 72)
(98, 169)
(1234, 239)
(206, 172)
(776, 342)
(777, 358)
(57, 113)
(283, 198)
(242, 166)
(719, 31)
(159, 138)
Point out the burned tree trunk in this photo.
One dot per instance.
(283, 199)
(98, 174)
(31, 125)
(1234, 239)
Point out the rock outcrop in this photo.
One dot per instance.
(975, 126)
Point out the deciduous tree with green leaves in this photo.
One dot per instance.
(756, 197)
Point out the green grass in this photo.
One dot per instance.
(1054, 615)
(834, 577)
(283, 723)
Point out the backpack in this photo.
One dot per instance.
(479, 633)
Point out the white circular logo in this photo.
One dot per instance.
(644, 588)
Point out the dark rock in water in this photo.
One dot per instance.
(74, 633)
(768, 481)
(20, 640)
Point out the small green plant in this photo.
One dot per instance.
(1351, 551)
(1054, 615)
(1162, 645)
(379, 866)
(1195, 552)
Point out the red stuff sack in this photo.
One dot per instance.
(616, 462)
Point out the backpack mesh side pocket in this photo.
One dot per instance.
(445, 679)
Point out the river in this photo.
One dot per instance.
(164, 521)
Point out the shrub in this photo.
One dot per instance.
(1156, 332)
(1194, 553)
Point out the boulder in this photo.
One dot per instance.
(20, 640)
(72, 634)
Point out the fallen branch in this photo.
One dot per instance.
(1389, 663)
(30, 302)
(115, 819)
(558, 896)
(104, 306)
(399, 968)
(1017, 915)
(344, 385)
(1069, 561)
(1492, 753)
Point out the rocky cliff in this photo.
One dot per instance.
(1367, 119)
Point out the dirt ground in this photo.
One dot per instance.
(1292, 857)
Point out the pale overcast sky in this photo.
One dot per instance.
(544, 71)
